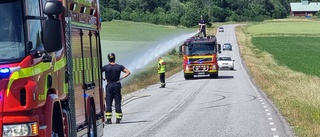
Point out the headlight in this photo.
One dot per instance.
(214, 67)
(187, 68)
(28, 129)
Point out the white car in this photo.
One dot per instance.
(220, 29)
(225, 62)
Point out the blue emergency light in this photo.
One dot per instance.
(4, 73)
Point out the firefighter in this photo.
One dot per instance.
(162, 71)
(202, 27)
(113, 87)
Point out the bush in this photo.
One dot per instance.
(318, 13)
(110, 14)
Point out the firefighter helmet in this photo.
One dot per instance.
(111, 57)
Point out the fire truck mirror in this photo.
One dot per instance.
(180, 50)
(52, 35)
(53, 8)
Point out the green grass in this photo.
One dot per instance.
(118, 30)
(124, 37)
(282, 27)
(297, 53)
(282, 56)
(150, 75)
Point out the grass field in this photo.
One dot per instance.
(129, 40)
(286, 27)
(297, 53)
(118, 30)
(282, 56)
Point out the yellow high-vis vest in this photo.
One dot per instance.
(161, 66)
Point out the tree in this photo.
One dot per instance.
(191, 17)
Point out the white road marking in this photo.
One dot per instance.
(271, 123)
(273, 129)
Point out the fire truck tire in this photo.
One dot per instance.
(214, 75)
(92, 127)
(57, 130)
(187, 77)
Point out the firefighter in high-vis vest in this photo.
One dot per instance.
(162, 71)
(113, 87)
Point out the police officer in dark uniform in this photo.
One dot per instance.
(113, 87)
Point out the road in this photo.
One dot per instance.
(229, 106)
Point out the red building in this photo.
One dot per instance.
(304, 8)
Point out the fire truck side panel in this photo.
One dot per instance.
(78, 76)
(36, 91)
(86, 74)
(86, 62)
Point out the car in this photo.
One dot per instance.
(221, 29)
(225, 62)
(227, 46)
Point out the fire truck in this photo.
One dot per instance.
(200, 56)
(50, 68)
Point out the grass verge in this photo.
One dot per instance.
(150, 76)
(296, 94)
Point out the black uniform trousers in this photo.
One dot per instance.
(204, 32)
(113, 91)
(162, 78)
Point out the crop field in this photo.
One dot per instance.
(297, 53)
(283, 58)
(286, 27)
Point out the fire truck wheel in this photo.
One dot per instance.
(188, 76)
(92, 127)
(214, 75)
(56, 130)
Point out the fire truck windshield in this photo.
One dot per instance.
(201, 49)
(11, 31)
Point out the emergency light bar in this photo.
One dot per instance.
(5, 72)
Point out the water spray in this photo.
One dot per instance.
(156, 51)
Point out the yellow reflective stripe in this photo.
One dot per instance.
(119, 115)
(41, 67)
(65, 88)
(27, 72)
(31, 71)
(108, 115)
(44, 95)
(60, 64)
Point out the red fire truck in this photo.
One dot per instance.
(50, 68)
(200, 56)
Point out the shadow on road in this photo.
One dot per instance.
(208, 77)
(225, 77)
(130, 122)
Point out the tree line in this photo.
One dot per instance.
(187, 12)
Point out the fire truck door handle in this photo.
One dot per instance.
(89, 85)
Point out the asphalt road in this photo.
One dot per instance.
(229, 106)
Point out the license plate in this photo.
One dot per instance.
(224, 63)
(200, 73)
